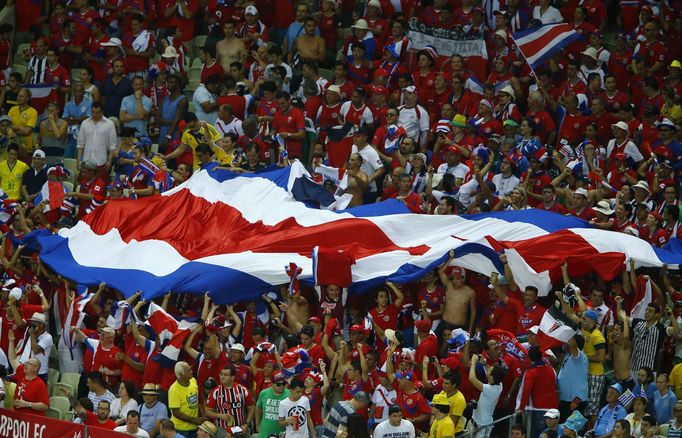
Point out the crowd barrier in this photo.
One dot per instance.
(20, 425)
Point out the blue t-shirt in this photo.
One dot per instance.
(129, 105)
(572, 379)
(663, 406)
(606, 419)
(149, 416)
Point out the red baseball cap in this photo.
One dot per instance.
(423, 326)
(356, 328)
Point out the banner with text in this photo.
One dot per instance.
(447, 42)
(19, 425)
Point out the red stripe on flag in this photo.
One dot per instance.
(532, 47)
(549, 252)
(198, 228)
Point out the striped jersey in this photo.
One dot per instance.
(233, 401)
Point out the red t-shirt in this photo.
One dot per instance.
(211, 368)
(315, 399)
(104, 358)
(137, 63)
(34, 391)
(138, 354)
(291, 122)
(412, 405)
(209, 70)
(93, 420)
(83, 25)
(527, 317)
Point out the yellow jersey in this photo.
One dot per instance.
(442, 428)
(10, 178)
(593, 341)
(185, 398)
(194, 138)
(25, 118)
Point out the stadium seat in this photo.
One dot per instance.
(196, 63)
(198, 42)
(19, 68)
(55, 413)
(19, 54)
(59, 385)
(71, 378)
(52, 377)
(61, 404)
(326, 73)
(71, 165)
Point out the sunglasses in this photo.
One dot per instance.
(279, 384)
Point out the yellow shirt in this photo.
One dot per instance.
(457, 406)
(27, 117)
(185, 398)
(191, 140)
(10, 179)
(676, 380)
(443, 428)
(592, 341)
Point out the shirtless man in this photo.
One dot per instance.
(296, 308)
(459, 298)
(357, 179)
(620, 345)
(310, 47)
(230, 48)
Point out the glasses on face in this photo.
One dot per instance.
(279, 384)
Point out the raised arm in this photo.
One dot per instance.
(472, 373)
(399, 296)
(188, 343)
(567, 308)
(508, 273)
(442, 268)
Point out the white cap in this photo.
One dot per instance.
(374, 3)
(334, 89)
(642, 185)
(16, 293)
(38, 154)
(502, 33)
(361, 24)
(238, 347)
(113, 42)
(410, 89)
(603, 207)
(580, 191)
(621, 125)
(251, 10)
(509, 90)
(170, 52)
(552, 413)
(590, 52)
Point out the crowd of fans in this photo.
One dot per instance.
(124, 88)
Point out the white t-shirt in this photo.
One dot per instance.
(367, 117)
(504, 185)
(630, 149)
(202, 95)
(45, 342)
(483, 414)
(459, 170)
(234, 126)
(382, 399)
(371, 162)
(141, 433)
(299, 409)
(386, 430)
(414, 120)
(118, 411)
(551, 15)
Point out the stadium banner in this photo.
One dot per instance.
(447, 42)
(15, 424)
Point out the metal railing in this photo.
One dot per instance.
(508, 418)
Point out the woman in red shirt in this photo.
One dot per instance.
(385, 314)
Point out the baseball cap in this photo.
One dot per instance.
(581, 191)
(458, 270)
(591, 314)
(89, 165)
(552, 413)
(278, 377)
(440, 399)
(451, 362)
(113, 42)
(621, 125)
(423, 326)
(410, 89)
(238, 347)
(38, 154)
(315, 320)
(394, 409)
(356, 328)
(534, 330)
(108, 330)
(250, 10)
(334, 89)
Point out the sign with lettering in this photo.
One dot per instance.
(20, 425)
(447, 42)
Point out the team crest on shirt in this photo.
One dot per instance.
(409, 401)
(386, 318)
(576, 125)
(429, 82)
(335, 115)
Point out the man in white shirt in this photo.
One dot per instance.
(294, 413)
(413, 117)
(38, 344)
(132, 426)
(505, 181)
(97, 141)
(383, 399)
(396, 426)
(371, 163)
(227, 122)
(453, 166)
